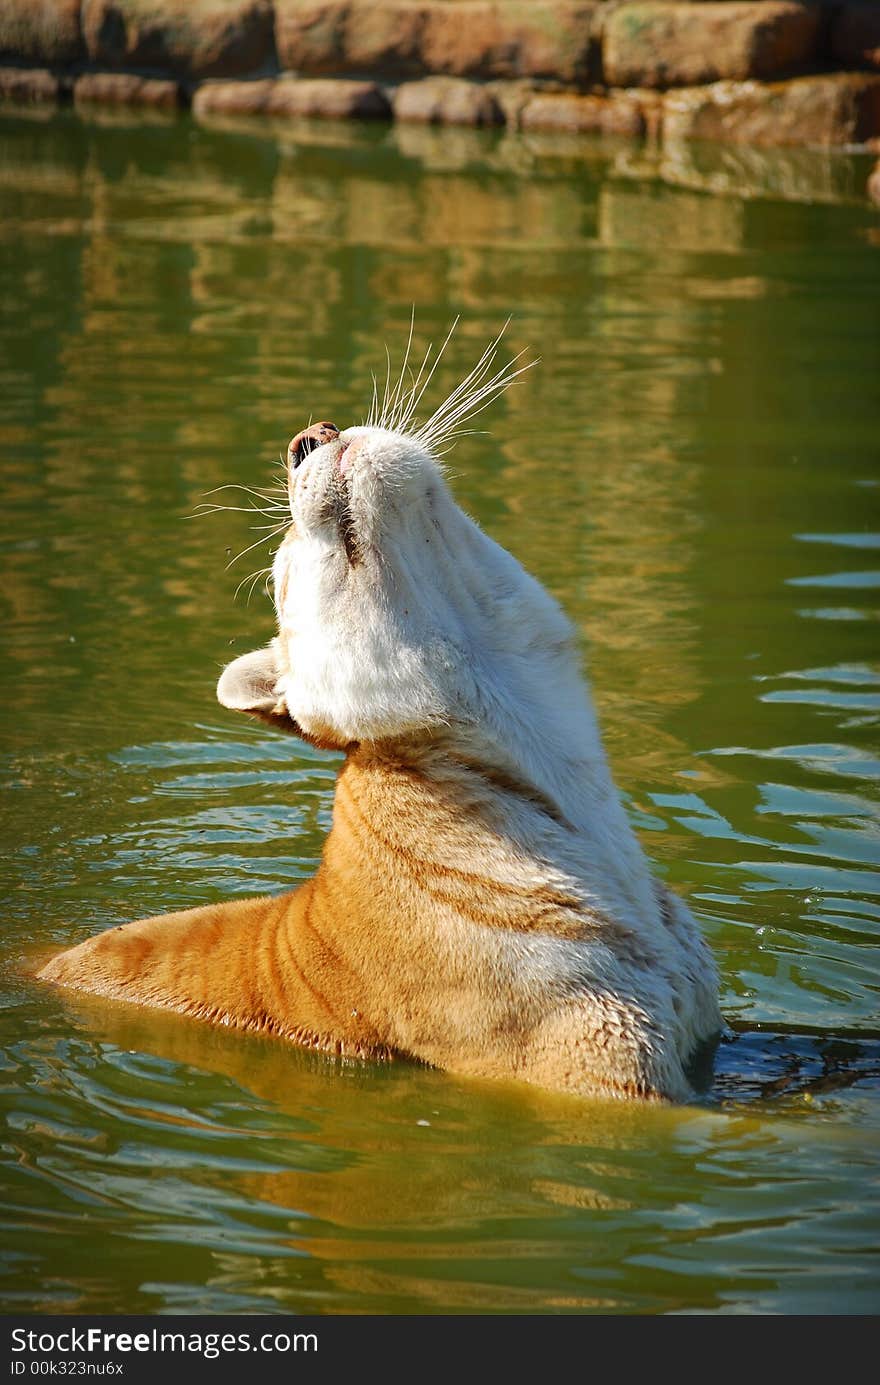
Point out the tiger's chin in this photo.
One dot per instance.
(481, 903)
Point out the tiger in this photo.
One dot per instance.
(482, 904)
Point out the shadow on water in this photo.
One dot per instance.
(277, 1180)
(759, 1064)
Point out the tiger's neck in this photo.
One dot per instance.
(430, 815)
(449, 908)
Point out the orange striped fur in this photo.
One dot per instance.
(388, 950)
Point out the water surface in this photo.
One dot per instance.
(692, 469)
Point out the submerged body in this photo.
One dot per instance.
(482, 903)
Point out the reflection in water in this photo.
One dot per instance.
(691, 469)
(282, 1179)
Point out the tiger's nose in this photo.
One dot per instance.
(306, 442)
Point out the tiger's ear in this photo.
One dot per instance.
(249, 683)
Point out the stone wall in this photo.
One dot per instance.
(766, 72)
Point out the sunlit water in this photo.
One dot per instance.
(692, 469)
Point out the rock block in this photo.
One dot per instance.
(25, 86)
(330, 98)
(320, 97)
(671, 45)
(232, 98)
(830, 109)
(446, 101)
(189, 38)
(402, 38)
(126, 89)
(45, 31)
(618, 114)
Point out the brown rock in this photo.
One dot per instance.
(873, 188)
(46, 31)
(400, 38)
(126, 89)
(328, 97)
(446, 101)
(855, 34)
(332, 98)
(232, 98)
(345, 36)
(834, 109)
(25, 86)
(669, 45)
(511, 39)
(191, 38)
(614, 115)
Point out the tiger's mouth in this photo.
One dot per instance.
(339, 504)
(346, 526)
(337, 507)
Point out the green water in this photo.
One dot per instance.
(692, 469)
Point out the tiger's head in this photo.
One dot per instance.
(398, 617)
